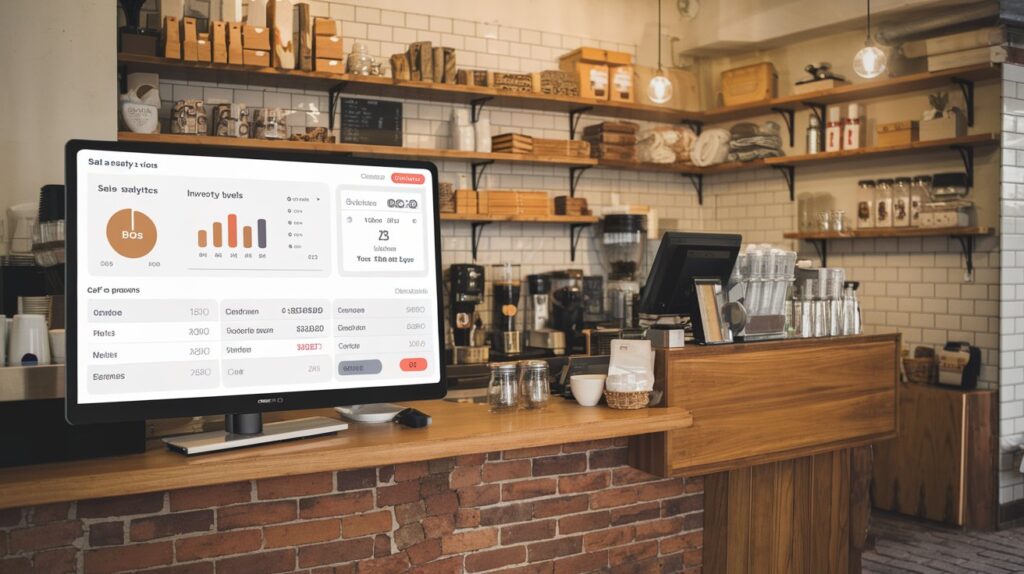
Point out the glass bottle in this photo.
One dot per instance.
(901, 202)
(883, 203)
(813, 136)
(503, 389)
(534, 387)
(920, 192)
(865, 204)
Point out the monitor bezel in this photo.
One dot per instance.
(88, 413)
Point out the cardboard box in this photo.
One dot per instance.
(219, 42)
(567, 62)
(593, 80)
(952, 126)
(189, 40)
(235, 55)
(205, 48)
(326, 27)
(749, 84)
(171, 38)
(621, 85)
(255, 38)
(328, 48)
(897, 133)
(618, 58)
(259, 58)
(190, 51)
(335, 66)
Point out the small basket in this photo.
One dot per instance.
(919, 370)
(627, 401)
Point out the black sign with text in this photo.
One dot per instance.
(374, 122)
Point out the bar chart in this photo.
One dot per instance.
(217, 237)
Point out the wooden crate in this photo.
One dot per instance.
(565, 205)
(749, 84)
(466, 202)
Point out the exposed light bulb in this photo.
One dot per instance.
(659, 90)
(869, 62)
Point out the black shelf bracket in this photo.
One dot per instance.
(697, 180)
(787, 116)
(575, 232)
(967, 156)
(574, 178)
(967, 246)
(821, 246)
(967, 87)
(789, 174)
(574, 119)
(477, 231)
(332, 103)
(695, 125)
(477, 105)
(819, 112)
(477, 169)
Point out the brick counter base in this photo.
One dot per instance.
(570, 508)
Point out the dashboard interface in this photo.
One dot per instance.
(217, 276)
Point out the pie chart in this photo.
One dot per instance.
(131, 233)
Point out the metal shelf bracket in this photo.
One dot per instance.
(967, 156)
(695, 125)
(574, 119)
(821, 246)
(574, 178)
(789, 174)
(787, 116)
(967, 87)
(967, 246)
(697, 180)
(332, 103)
(477, 105)
(477, 232)
(575, 232)
(477, 169)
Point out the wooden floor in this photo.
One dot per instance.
(906, 545)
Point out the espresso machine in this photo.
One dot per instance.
(466, 291)
(539, 334)
(507, 285)
(623, 239)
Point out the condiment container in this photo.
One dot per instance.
(534, 388)
(834, 130)
(503, 388)
(883, 203)
(865, 204)
(901, 202)
(813, 136)
(920, 191)
(853, 128)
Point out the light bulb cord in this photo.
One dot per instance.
(869, 22)
(659, 35)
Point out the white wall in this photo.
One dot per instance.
(58, 62)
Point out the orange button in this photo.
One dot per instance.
(414, 364)
(410, 178)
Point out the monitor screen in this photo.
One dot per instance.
(681, 258)
(205, 281)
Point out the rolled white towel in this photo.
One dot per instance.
(712, 147)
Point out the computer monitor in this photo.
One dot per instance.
(681, 258)
(208, 280)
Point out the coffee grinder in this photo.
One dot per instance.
(466, 291)
(623, 239)
(507, 284)
(567, 305)
(539, 334)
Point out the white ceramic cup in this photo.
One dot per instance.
(587, 389)
(29, 336)
(57, 346)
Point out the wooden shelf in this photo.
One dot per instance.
(881, 232)
(557, 219)
(358, 149)
(976, 140)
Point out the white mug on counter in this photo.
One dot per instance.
(30, 341)
(587, 389)
(57, 346)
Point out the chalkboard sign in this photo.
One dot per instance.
(373, 122)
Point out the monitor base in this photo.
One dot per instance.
(271, 432)
(371, 413)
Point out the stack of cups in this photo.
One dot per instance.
(462, 131)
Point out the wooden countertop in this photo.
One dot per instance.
(457, 429)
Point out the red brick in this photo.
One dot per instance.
(294, 486)
(469, 541)
(506, 513)
(381, 546)
(217, 544)
(441, 465)
(498, 471)
(106, 534)
(128, 558)
(480, 561)
(193, 568)
(336, 504)
(561, 464)
(613, 497)
(589, 562)
(410, 471)
(693, 558)
(554, 548)
(46, 536)
(629, 475)
(464, 476)
(682, 505)
(424, 551)
(255, 514)
(479, 495)
(302, 533)
(444, 503)
(451, 565)
(608, 537)
(609, 458)
(588, 445)
(528, 488)
(394, 564)
(121, 505)
(584, 522)
(433, 485)
(528, 531)
(540, 568)
(259, 563)
(533, 452)
(467, 518)
(210, 496)
(20, 565)
(385, 474)
(334, 552)
(398, 494)
(438, 526)
(144, 529)
(688, 541)
(363, 524)
(10, 517)
(57, 561)
(48, 513)
(693, 521)
(633, 552)
(583, 482)
(357, 479)
(659, 490)
(409, 535)
(695, 484)
(410, 512)
(636, 513)
(561, 505)
(672, 563)
(470, 459)
(659, 528)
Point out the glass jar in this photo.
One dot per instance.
(865, 204)
(534, 387)
(838, 220)
(883, 203)
(901, 202)
(360, 62)
(920, 192)
(503, 389)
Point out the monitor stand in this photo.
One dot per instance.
(241, 430)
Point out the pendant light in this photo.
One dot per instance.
(870, 60)
(659, 90)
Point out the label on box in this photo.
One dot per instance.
(599, 81)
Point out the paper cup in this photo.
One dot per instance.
(57, 346)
